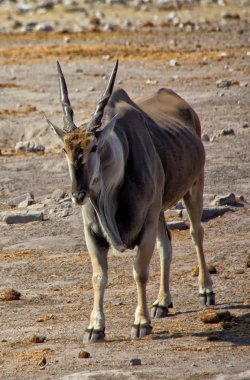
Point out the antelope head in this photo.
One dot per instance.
(82, 144)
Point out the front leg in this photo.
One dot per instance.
(142, 324)
(98, 250)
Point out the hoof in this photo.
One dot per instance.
(93, 336)
(140, 331)
(159, 311)
(207, 299)
(211, 299)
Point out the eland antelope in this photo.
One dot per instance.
(125, 173)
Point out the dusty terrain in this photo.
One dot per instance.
(47, 261)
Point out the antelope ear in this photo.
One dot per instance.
(57, 131)
(101, 136)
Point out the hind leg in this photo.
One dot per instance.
(194, 204)
(163, 302)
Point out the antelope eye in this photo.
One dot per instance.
(93, 149)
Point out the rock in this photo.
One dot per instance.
(248, 261)
(36, 207)
(177, 225)
(174, 62)
(25, 217)
(42, 362)
(21, 198)
(37, 339)
(30, 26)
(58, 194)
(230, 16)
(62, 210)
(27, 202)
(83, 354)
(24, 8)
(227, 132)
(150, 81)
(10, 294)
(47, 317)
(174, 213)
(223, 83)
(135, 361)
(245, 126)
(44, 27)
(229, 199)
(205, 137)
(209, 212)
(29, 146)
(48, 5)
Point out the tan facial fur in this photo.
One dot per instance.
(78, 144)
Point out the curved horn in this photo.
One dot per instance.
(96, 120)
(69, 125)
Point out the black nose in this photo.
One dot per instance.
(79, 197)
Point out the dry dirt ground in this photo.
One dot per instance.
(47, 261)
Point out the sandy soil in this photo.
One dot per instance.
(47, 261)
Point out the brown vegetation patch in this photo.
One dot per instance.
(33, 54)
(18, 112)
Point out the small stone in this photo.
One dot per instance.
(44, 28)
(227, 132)
(174, 213)
(223, 200)
(14, 218)
(177, 225)
(211, 269)
(245, 125)
(205, 137)
(174, 62)
(10, 294)
(29, 147)
(83, 354)
(37, 339)
(248, 261)
(42, 362)
(153, 82)
(27, 202)
(58, 194)
(62, 210)
(47, 317)
(243, 84)
(209, 212)
(135, 361)
(48, 5)
(66, 40)
(223, 83)
(17, 200)
(230, 16)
